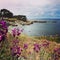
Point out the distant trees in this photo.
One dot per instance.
(6, 13)
(0, 14)
(21, 17)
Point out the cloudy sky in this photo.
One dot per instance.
(33, 9)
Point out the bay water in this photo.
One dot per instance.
(41, 29)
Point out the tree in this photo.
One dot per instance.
(6, 13)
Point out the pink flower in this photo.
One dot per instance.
(45, 43)
(36, 47)
(25, 46)
(16, 51)
(0, 38)
(4, 27)
(16, 32)
(15, 42)
(57, 51)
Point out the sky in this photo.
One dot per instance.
(33, 9)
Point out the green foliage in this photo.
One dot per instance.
(4, 51)
(6, 13)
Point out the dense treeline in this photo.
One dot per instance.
(6, 13)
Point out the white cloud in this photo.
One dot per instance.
(26, 3)
(31, 7)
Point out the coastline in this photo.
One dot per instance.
(28, 22)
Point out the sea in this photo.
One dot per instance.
(52, 27)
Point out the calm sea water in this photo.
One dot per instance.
(39, 29)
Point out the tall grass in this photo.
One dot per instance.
(16, 46)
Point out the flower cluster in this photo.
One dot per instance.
(3, 30)
(16, 32)
(36, 47)
(15, 49)
(25, 46)
(45, 43)
(57, 51)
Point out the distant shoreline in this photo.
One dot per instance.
(13, 22)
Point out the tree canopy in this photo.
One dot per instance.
(6, 13)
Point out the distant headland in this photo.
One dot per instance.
(21, 19)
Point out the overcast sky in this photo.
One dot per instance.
(33, 8)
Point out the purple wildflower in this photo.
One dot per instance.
(13, 51)
(19, 50)
(0, 38)
(15, 42)
(45, 43)
(4, 28)
(36, 47)
(16, 32)
(16, 51)
(25, 46)
(55, 57)
(3, 24)
(57, 51)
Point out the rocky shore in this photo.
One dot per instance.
(14, 22)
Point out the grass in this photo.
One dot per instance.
(44, 53)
